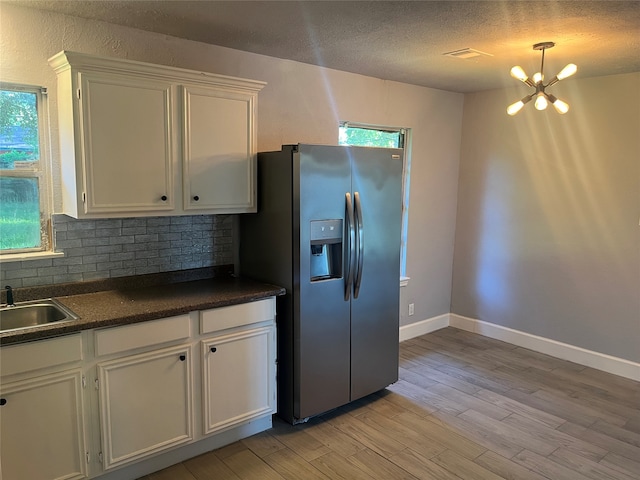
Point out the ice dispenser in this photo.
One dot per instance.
(326, 249)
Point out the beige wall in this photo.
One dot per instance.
(301, 103)
(547, 237)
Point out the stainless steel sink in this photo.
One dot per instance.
(31, 314)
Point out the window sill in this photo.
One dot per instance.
(21, 257)
(404, 281)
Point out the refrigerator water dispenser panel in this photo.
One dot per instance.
(326, 249)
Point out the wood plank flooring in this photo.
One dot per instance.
(465, 407)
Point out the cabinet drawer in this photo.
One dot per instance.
(40, 354)
(139, 335)
(237, 315)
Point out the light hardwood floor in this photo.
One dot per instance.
(465, 407)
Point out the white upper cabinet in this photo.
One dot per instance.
(138, 139)
(128, 159)
(218, 140)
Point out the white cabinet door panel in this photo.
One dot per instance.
(145, 404)
(218, 150)
(42, 428)
(238, 377)
(126, 126)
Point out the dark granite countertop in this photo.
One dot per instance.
(125, 305)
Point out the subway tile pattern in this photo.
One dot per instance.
(109, 248)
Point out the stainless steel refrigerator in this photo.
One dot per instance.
(328, 229)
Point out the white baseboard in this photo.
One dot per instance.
(564, 351)
(423, 327)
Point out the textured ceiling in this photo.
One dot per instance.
(397, 40)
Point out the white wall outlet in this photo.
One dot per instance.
(411, 306)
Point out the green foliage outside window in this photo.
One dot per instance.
(369, 137)
(19, 140)
(19, 213)
(20, 225)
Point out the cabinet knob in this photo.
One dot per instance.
(163, 198)
(214, 349)
(3, 401)
(196, 198)
(183, 358)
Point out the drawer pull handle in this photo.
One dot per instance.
(183, 358)
(163, 198)
(213, 349)
(3, 401)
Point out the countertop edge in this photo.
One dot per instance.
(171, 301)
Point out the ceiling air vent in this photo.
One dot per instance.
(467, 53)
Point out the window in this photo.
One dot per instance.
(391, 137)
(24, 147)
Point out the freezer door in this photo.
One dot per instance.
(322, 178)
(377, 190)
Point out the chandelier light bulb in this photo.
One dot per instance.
(518, 73)
(567, 71)
(537, 77)
(541, 102)
(561, 107)
(515, 107)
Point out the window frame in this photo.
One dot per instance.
(406, 176)
(41, 172)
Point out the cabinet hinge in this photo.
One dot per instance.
(84, 385)
(100, 457)
(78, 93)
(96, 384)
(88, 458)
(84, 197)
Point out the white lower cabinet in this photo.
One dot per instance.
(237, 381)
(103, 401)
(41, 428)
(145, 404)
(42, 432)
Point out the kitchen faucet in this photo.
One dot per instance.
(10, 302)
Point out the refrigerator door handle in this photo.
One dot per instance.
(359, 242)
(352, 247)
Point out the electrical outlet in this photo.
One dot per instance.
(411, 309)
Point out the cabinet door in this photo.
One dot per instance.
(41, 428)
(219, 152)
(126, 144)
(145, 404)
(238, 377)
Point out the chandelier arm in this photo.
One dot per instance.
(553, 81)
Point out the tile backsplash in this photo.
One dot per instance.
(108, 248)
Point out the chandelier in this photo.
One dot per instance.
(542, 98)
